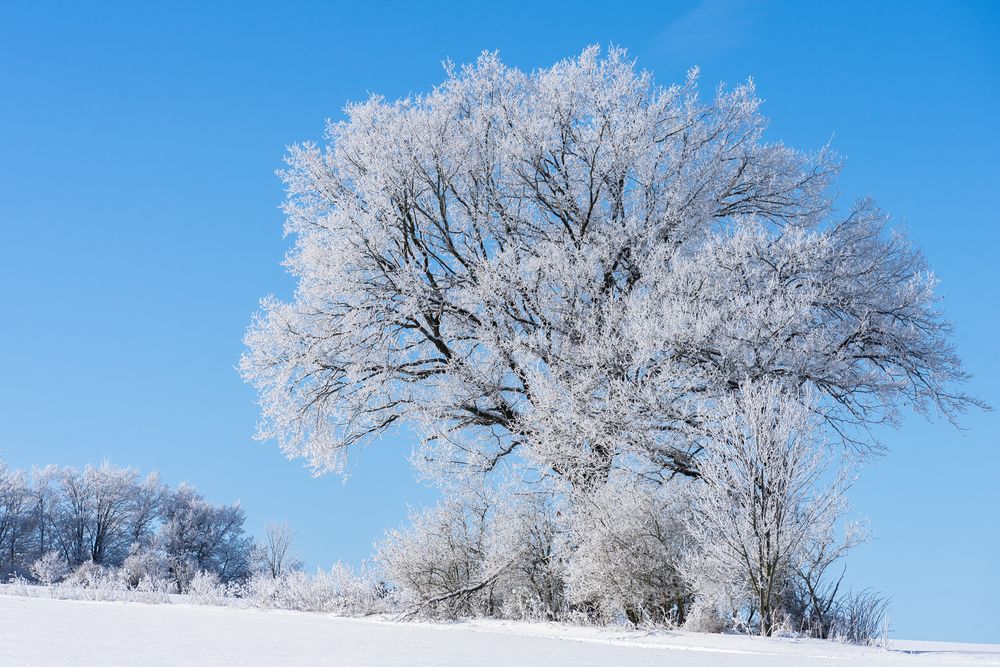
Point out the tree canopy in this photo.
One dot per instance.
(571, 267)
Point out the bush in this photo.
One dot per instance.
(338, 591)
(863, 618)
(145, 568)
(439, 562)
(704, 616)
(88, 575)
(50, 568)
(628, 544)
(485, 554)
(205, 588)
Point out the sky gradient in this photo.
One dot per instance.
(139, 226)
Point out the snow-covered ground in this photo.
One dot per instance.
(37, 631)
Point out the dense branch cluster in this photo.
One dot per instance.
(750, 544)
(568, 265)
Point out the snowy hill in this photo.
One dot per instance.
(45, 632)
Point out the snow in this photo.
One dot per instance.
(38, 631)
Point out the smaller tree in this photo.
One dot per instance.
(73, 514)
(113, 494)
(15, 501)
(148, 501)
(439, 562)
(760, 505)
(50, 568)
(274, 555)
(199, 536)
(43, 511)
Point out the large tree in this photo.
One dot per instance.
(569, 267)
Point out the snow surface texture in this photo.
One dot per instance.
(35, 631)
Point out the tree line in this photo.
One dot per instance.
(106, 515)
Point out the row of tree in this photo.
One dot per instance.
(104, 515)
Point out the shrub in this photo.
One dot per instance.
(205, 588)
(704, 616)
(87, 575)
(628, 543)
(485, 554)
(338, 591)
(863, 618)
(145, 568)
(50, 568)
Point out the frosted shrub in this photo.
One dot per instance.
(144, 567)
(438, 562)
(50, 568)
(704, 616)
(338, 590)
(862, 618)
(629, 540)
(352, 593)
(485, 553)
(524, 604)
(261, 590)
(814, 601)
(205, 588)
(152, 589)
(299, 591)
(87, 575)
(529, 540)
(18, 585)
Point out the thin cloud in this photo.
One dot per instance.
(709, 29)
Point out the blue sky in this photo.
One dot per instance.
(139, 226)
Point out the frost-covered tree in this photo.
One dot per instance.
(115, 492)
(763, 502)
(98, 514)
(274, 554)
(50, 568)
(73, 515)
(148, 500)
(198, 536)
(15, 503)
(562, 267)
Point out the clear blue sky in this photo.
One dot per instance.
(139, 226)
